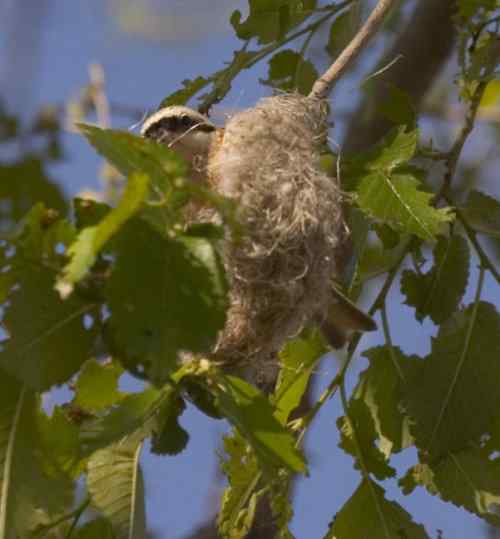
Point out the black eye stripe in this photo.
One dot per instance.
(176, 123)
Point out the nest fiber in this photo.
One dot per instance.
(280, 271)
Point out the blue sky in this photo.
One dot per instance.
(140, 72)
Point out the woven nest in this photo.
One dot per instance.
(280, 271)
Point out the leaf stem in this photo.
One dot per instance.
(76, 516)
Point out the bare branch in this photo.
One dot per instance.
(325, 83)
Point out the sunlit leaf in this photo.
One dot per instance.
(84, 250)
(252, 414)
(116, 487)
(438, 292)
(97, 385)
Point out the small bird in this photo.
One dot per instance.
(281, 276)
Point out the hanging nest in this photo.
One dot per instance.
(280, 271)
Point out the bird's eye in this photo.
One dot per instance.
(186, 121)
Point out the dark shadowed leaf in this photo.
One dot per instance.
(453, 395)
(289, 71)
(482, 213)
(169, 438)
(96, 529)
(165, 296)
(368, 509)
(438, 292)
(398, 107)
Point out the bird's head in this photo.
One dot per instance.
(185, 131)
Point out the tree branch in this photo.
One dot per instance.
(325, 83)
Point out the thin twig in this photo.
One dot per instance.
(325, 83)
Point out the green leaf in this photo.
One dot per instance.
(453, 395)
(468, 8)
(116, 487)
(468, 479)
(25, 479)
(342, 30)
(398, 107)
(134, 412)
(298, 359)
(368, 509)
(395, 200)
(358, 435)
(97, 385)
(438, 292)
(238, 503)
(48, 339)
(84, 250)
(268, 20)
(380, 387)
(100, 528)
(392, 151)
(482, 213)
(169, 438)
(172, 301)
(89, 212)
(288, 71)
(182, 96)
(252, 414)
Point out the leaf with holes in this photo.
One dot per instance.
(438, 292)
(468, 479)
(453, 395)
(384, 519)
(380, 387)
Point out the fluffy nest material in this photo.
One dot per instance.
(280, 271)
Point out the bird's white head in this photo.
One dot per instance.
(185, 131)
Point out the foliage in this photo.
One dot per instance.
(101, 293)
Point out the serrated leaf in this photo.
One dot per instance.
(84, 250)
(100, 528)
(438, 292)
(298, 359)
(253, 415)
(116, 487)
(482, 213)
(368, 509)
(468, 479)
(396, 200)
(169, 438)
(24, 480)
(238, 503)
(177, 292)
(135, 411)
(380, 387)
(288, 71)
(97, 385)
(358, 435)
(453, 395)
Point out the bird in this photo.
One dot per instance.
(296, 243)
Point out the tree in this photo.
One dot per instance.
(73, 314)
